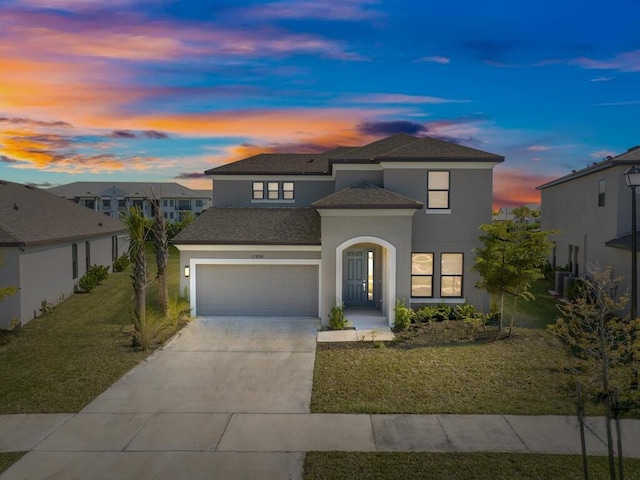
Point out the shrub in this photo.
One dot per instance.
(403, 315)
(460, 312)
(336, 317)
(121, 263)
(87, 282)
(94, 277)
(179, 310)
(150, 330)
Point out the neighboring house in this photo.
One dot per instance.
(113, 198)
(291, 234)
(592, 210)
(48, 243)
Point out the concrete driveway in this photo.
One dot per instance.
(222, 365)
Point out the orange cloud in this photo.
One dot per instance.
(513, 187)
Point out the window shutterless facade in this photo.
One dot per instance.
(87, 255)
(601, 191)
(422, 275)
(451, 274)
(438, 190)
(273, 191)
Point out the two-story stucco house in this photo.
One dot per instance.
(48, 243)
(592, 210)
(291, 234)
(114, 198)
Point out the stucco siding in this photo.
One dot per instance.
(238, 193)
(45, 273)
(394, 229)
(9, 277)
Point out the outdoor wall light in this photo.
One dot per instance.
(186, 271)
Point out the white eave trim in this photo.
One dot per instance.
(367, 212)
(247, 248)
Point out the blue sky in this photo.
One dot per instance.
(163, 90)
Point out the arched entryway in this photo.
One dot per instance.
(366, 274)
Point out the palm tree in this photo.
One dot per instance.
(136, 223)
(161, 248)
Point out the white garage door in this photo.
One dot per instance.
(257, 290)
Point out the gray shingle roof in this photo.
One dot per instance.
(160, 189)
(253, 226)
(32, 216)
(396, 147)
(629, 158)
(366, 195)
(434, 149)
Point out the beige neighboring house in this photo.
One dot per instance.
(47, 243)
(592, 210)
(291, 234)
(113, 198)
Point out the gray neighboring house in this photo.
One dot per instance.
(592, 210)
(291, 234)
(48, 243)
(112, 198)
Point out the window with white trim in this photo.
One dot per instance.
(287, 191)
(258, 191)
(451, 268)
(273, 191)
(422, 275)
(438, 190)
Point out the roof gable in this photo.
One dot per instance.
(368, 196)
(433, 148)
(29, 215)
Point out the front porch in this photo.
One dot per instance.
(366, 324)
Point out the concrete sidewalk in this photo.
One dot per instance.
(256, 445)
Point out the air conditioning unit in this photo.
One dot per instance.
(559, 283)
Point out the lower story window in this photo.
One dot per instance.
(451, 268)
(422, 274)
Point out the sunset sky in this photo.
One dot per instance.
(135, 90)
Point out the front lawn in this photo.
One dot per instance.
(61, 361)
(520, 375)
(456, 466)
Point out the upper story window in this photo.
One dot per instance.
(184, 204)
(451, 265)
(273, 191)
(438, 190)
(601, 188)
(422, 274)
(198, 203)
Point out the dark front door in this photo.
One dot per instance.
(358, 278)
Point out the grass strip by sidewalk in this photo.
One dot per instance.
(521, 375)
(61, 361)
(455, 466)
(9, 458)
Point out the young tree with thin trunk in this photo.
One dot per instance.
(510, 261)
(161, 249)
(603, 345)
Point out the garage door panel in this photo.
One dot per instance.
(257, 290)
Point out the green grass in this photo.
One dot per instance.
(520, 375)
(9, 458)
(537, 313)
(61, 361)
(456, 466)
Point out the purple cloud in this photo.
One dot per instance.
(35, 123)
(155, 134)
(122, 134)
(390, 128)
